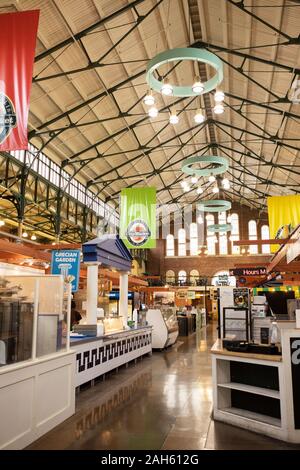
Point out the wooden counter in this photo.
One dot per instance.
(218, 349)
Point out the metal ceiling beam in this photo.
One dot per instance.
(88, 30)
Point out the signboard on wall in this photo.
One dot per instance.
(67, 263)
(261, 271)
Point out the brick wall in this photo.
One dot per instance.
(208, 265)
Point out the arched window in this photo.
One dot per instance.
(265, 235)
(181, 242)
(182, 278)
(170, 277)
(170, 245)
(222, 278)
(235, 233)
(223, 248)
(193, 239)
(210, 236)
(194, 276)
(252, 232)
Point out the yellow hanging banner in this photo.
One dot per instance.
(284, 216)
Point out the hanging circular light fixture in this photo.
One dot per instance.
(214, 205)
(194, 180)
(24, 234)
(186, 188)
(199, 190)
(211, 178)
(149, 99)
(33, 237)
(217, 228)
(199, 117)
(153, 112)
(2, 222)
(188, 165)
(226, 183)
(183, 54)
(215, 190)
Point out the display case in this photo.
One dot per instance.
(33, 317)
(165, 327)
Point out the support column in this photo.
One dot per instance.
(123, 306)
(92, 294)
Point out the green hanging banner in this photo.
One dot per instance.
(138, 217)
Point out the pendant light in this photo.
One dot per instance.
(186, 188)
(153, 112)
(149, 99)
(194, 180)
(215, 189)
(24, 234)
(219, 108)
(167, 88)
(211, 178)
(219, 96)
(2, 222)
(33, 237)
(174, 119)
(199, 117)
(226, 183)
(199, 190)
(198, 86)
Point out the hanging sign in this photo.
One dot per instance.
(191, 294)
(67, 263)
(17, 38)
(138, 217)
(284, 216)
(261, 271)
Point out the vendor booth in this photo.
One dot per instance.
(103, 340)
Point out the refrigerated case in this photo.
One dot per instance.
(20, 298)
(164, 326)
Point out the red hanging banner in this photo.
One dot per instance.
(18, 33)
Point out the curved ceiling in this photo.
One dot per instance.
(89, 83)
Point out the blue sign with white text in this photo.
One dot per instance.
(67, 263)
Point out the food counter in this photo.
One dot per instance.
(96, 356)
(259, 392)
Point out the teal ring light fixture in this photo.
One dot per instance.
(182, 54)
(217, 228)
(187, 166)
(214, 205)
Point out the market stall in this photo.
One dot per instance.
(110, 342)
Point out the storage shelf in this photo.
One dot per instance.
(253, 416)
(251, 389)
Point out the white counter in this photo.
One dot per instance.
(259, 392)
(97, 356)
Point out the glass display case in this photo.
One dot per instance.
(34, 317)
(170, 317)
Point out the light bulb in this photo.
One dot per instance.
(174, 119)
(24, 234)
(215, 190)
(153, 112)
(149, 99)
(183, 183)
(33, 237)
(219, 108)
(199, 190)
(200, 219)
(211, 178)
(194, 179)
(219, 96)
(198, 86)
(186, 188)
(2, 223)
(167, 88)
(199, 117)
(53, 243)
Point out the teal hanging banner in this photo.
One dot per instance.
(138, 217)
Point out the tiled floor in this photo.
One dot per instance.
(163, 402)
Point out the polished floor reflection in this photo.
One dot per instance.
(162, 402)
